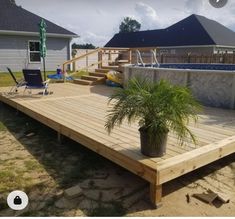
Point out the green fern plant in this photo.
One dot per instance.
(158, 106)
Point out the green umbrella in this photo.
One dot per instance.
(43, 48)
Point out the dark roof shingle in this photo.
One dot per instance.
(16, 18)
(191, 31)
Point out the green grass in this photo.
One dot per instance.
(11, 179)
(6, 79)
(32, 165)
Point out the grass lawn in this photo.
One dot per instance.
(6, 79)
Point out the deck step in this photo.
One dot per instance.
(101, 70)
(83, 82)
(91, 78)
(115, 67)
(97, 74)
(123, 61)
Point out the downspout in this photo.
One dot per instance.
(70, 53)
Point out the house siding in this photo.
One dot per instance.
(14, 52)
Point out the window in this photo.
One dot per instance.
(34, 51)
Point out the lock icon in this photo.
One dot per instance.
(17, 200)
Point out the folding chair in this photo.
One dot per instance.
(18, 84)
(34, 80)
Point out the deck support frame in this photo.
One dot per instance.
(156, 195)
(156, 173)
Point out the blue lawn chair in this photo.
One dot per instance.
(34, 80)
(18, 84)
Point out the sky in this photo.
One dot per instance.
(96, 21)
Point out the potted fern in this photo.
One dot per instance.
(158, 107)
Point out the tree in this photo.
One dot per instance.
(13, 2)
(83, 46)
(129, 25)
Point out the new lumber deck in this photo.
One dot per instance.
(79, 112)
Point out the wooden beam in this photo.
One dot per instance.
(100, 57)
(130, 56)
(78, 58)
(60, 138)
(232, 105)
(156, 195)
(125, 160)
(187, 162)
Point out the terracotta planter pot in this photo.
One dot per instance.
(155, 149)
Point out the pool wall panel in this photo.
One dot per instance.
(210, 87)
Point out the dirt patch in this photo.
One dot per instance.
(44, 169)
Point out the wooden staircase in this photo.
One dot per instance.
(95, 77)
(121, 57)
(107, 59)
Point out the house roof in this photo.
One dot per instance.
(15, 19)
(194, 30)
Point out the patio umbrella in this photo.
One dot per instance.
(43, 48)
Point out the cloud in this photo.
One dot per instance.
(225, 15)
(90, 37)
(147, 15)
(195, 6)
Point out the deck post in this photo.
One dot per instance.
(156, 195)
(60, 138)
(232, 104)
(100, 59)
(130, 57)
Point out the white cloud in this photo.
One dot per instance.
(90, 37)
(147, 15)
(225, 15)
(195, 6)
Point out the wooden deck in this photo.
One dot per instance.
(78, 112)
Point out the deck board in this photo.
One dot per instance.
(78, 112)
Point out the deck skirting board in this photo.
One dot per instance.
(189, 161)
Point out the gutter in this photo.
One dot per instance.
(25, 33)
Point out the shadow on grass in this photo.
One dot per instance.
(68, 163)
(52, 155)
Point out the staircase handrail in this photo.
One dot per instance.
(80, 57)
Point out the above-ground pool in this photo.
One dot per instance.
(212, 84)
(219, 67)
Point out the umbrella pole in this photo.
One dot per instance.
(44, 68)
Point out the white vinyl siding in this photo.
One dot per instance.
(14, 53)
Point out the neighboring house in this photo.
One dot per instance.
(19, 40)
(195, 34)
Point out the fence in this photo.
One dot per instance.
(146, 56)
(168, 58)
(214, 58)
